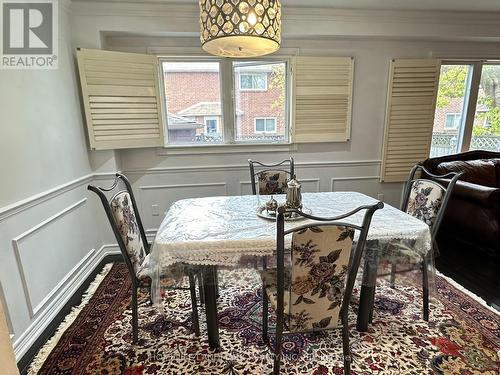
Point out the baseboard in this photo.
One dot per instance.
(42, 328)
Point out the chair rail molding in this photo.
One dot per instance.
(34, 200)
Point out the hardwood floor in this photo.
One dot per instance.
(475, 271)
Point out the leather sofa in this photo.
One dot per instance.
(473, 213)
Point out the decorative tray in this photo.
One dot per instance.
(292, 216)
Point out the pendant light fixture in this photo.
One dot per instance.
(240, 28)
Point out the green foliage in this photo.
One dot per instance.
(278, 81)
(452, 83)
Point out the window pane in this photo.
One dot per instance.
(192, 92)
(448, 128)
(486, 129)
(271, 125)
(267, 99)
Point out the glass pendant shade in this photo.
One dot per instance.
(240, 28)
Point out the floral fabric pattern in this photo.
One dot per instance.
(272, 182)
(314, 289)
(125, 219)
(425, 200)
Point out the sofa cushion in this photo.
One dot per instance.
(481, 171)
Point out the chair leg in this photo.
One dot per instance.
(425, 288)
(135, 319)
(393, 275)
(372, 307)
(345, 345)
(194, 304)
(265, 314)
(279, 343)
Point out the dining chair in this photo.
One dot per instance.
(271, 178)
(123, 215)
(426, 200)
(314, 291)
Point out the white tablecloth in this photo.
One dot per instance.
(220, 230)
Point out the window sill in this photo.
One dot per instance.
(225, 149)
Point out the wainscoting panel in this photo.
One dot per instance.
(368, 185)
(156, 199)
(36, 263)
(49, 244)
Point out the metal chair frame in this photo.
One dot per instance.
(434, 228)
(136, 283)
(269, 167)
(354, 261)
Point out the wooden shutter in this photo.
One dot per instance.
(323, 99)
(411, 104)
(121, 99)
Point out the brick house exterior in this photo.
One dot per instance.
(195, 95)
(454, 107)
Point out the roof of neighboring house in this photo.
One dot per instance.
(179, 123)
(205, 109)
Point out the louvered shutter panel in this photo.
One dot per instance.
(411, 104)
(323, 99)
(121, 99)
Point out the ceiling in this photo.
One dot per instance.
(444, 5)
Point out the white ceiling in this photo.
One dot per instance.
(445, 5)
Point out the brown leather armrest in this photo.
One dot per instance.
(484, 195)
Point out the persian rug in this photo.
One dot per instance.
(463, 337)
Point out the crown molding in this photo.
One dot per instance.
(181, 19)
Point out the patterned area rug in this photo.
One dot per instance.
(463, 337)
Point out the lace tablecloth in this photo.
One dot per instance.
(220, 230)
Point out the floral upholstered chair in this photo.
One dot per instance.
(314, 293)
(126, 223)
(426, 200)
(271, 178)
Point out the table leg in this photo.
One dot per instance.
(210, 292)
(367, 294)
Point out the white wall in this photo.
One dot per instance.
(50, 225)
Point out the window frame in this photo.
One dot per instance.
(227, 94)
(470, 98)
(456, 125)
(265, 125)
(266, 86)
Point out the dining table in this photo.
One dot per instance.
(214, 232)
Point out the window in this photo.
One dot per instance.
(193, 101)
(265, 125)
(253, 81)
(486, 126)
(211, 125)
(467, 108)
(269, 106)
(453, 120)
(200, 112)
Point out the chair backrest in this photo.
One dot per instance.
(123, 215)
(427, 199)
(271, 178)
(324, 267)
